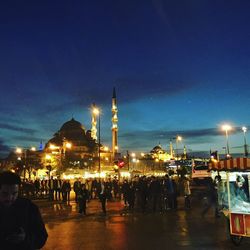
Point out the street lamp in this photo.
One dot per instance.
(244, 129)
(96, 111)
(227, 128)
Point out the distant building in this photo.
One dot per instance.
(159, 153)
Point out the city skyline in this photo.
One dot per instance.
(178, 68)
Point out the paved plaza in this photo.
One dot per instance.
(118, 230)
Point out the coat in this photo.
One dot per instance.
(25, 214)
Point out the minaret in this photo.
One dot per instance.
(114, 125)
(93, 122)
(185, 153)
(171, 149)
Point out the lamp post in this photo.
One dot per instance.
(128, 160)
(244, 129)
(96, 111)
(227, 128)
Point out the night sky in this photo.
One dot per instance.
(179, 67)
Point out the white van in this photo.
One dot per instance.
(200, 172)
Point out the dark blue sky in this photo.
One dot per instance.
(179, 67)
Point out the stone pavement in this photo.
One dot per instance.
(118, 230)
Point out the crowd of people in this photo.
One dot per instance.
(141, 193)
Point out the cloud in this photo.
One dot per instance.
(27, 138)
(68, 98)
(4, 149)
(17, 128)
(147, 139)
(158, 134)
(128, 88)
(187, 134)
(138, 139)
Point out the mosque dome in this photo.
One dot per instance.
(157, 149)
(74, 132)
(72, 125)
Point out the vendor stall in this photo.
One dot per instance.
(233, 194)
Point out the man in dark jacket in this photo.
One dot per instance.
(21, 224)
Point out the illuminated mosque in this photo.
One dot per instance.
(72, 146)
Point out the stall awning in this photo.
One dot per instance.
(231, 164)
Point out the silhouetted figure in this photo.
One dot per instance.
(212, 199)
(21, 226)
(83, 196)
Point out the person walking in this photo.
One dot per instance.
(171, 192)
(125, 190)
(154, 192)
(76, 188)
(103, 194)
(187, 193)
(212, 199)
(83, 196)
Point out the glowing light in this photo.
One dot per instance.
(106, 148)
(178, 138)
(18, 150)
(125, 174)
(68, 145)
(33, 149)
(133, 154)
(52, 146)
(226, 127)
(142, 154)
(96, 111)
(47, 157)
(244, 129)
(102, 174)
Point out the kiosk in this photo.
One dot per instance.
(233, 184)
